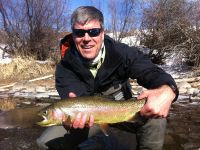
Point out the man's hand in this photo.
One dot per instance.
(158, 101)
(81, 118)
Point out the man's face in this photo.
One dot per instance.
(87, 45)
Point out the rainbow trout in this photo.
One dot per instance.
(104, 110)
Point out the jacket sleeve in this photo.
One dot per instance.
(66, 81)
(148, 74)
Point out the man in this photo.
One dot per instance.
(92, 63)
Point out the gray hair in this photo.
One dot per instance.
(84, 14)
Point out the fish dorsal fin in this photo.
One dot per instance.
(104, 129)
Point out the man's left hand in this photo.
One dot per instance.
(158, 101)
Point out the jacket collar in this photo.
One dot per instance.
(112, 61)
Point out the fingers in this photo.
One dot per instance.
(152, 115)
(152, 111)
(72, 95)
(77, 121)
(91, 121)
(82, 119)
(158, 102)
(144, 94)
(146, 111)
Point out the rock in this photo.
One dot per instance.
(3, 89)
(29, 89)
(183, 84)
(195, 84)
(40, 89)
(175, 76)
(53, 93)
(54, 97)
(26, 103)
(192, 91)
(17, 94)
(30, 95)
(4, 95)
(20, 86)
(43, 104)
(42, 95)
(194, 103)
(182, 90)
(183, 97)
(195, 99)
(198, 95)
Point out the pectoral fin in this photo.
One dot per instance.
(66, 122)
(104, 129)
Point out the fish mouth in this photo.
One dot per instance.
(45, 122)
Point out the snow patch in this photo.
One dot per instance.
(4, 57)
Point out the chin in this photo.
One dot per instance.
(89, 57)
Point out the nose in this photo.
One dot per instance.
(87, 37)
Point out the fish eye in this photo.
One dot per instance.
(45, 112)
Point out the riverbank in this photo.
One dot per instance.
(43, 89)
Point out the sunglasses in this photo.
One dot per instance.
(91, 32)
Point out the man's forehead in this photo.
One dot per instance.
(90, 23)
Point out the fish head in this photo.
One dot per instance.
(51, 117)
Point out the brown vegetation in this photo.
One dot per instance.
(32, 26)
(25, 68)
(123, 18)
(7, 104)
(172, 25)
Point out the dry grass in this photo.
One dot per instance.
(7, 104)
(25, 68)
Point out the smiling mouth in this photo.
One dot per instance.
(87, 47)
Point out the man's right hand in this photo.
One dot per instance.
(81, 118)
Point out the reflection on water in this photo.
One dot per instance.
(20, 117)
(183, 132)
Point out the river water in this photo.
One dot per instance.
(183, 131)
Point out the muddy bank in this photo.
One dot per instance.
(19, 139)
